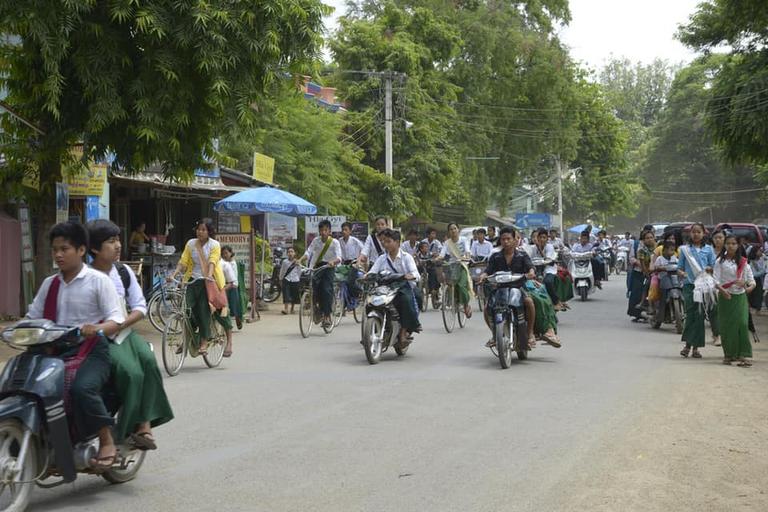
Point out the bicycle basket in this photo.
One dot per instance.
(453, 272)
(306, 277)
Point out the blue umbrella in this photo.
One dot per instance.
(579, 228)
(265, 200)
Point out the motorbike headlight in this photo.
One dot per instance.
(23, 337)
(377, 300)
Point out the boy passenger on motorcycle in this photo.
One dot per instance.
(139, 384)
(80, 296)
(509, 259)
(542, 249)
(398, 261)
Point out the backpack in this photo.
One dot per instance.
(125, 277)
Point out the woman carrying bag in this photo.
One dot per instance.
(206, 299)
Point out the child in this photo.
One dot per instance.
(644, 256)
(290, 274)
(667, 256)
(229, 265)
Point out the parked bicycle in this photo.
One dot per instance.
(164, 300)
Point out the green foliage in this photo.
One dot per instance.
(737, 110)
(150, 81)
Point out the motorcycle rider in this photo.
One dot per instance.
(584, 245)
(626, 241)
(324, 252)
(372, 248)
(137, 378)
(492, 237)
(81, 296)
(509, 259)
(542, 249)
(398, 261)
(555, 240)
(604, 244)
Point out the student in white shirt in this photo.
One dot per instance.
(481, 248)
(543, 249)
(290, 275)
(411, 246)
(435, 246)
(351, 246)
(232, 287)
(86, 298)
(139, 384)
(398, 261)
(323, 253)
(372, 248)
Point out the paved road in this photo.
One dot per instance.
(307, 425)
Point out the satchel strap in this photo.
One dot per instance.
(51, 300)
(203, 260)
(320, 256)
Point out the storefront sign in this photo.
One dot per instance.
(242, 246)
(263, 168)
(360, 230)
(88, 182)
(311, 222)
(229, 223)
(281, 229)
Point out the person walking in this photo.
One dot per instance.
(718, 244)
(735, 281)
(696, 261)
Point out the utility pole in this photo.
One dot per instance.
(559, 169)
(388, 124)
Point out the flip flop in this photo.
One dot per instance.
(100, 463)
(227, 353)
(143, 441)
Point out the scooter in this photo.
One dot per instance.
(37, 442)
(382, 320)
(583, 278)
(670, 308)
(540, 265)
(510, 327)
(621, 259)
(607, 255)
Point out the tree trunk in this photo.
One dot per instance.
(44, 218)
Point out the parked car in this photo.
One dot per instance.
(751, 232)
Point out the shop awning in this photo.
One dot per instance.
(197, 186)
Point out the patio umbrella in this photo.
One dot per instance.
(265, 200)
(579, 228)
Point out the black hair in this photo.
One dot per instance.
(325, 223)
(208, 222)
(413, 232)
(584, 233)
(391, 234)
(228, 248)
(140, 223)
(542, 231)
(508, 230)
(602, 232)
(73, 232)
(347, 225)
(491, 228)
(669, 244)
(481, 230)
(378, 218)
(99, 231)
(740, 251)
(752, 255)
(448, 227)
(645, 233)
(423, 243)
(647, 227)
(430, 230)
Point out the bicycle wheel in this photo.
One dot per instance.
(160, 307)
(215, 345)
(358, 312)
(175, 344)
(449, 316)
(339, 304)
(306, 313)
(460, 314)
(271, 291)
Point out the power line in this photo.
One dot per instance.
(721, 192)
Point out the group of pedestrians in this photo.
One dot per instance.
(723, 281)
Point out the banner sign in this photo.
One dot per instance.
(241, 245)
(533, 220)
(360, 230)
(311, 222)
(281, 229)
(62, 202)
(263, 168)
(88, 182)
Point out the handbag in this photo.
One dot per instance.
(216, 298)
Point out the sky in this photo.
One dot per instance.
(638, 29)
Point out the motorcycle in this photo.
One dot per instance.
(607, 255)
(540, 265)
(476, 269)
(37, 440)
(622, 256)
(505, 305)
(272, 285)
(670, 308)
(381, 321)
(583, 278)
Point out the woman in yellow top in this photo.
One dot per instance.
(201, 260)
(139, 236)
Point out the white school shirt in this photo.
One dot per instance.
(435, 246)
(549, 253)
(461, 245)
(589, 247)
(661, 261)
(197, 270)
(134, 299)
(725, 272)
(369, 248)
(351, 249)
(316, 247)
(294, 276)
(403, 264)
(481, 249)
(412, 250)
(89, 298)
(230, 271)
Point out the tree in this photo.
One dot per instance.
(737, 109)
(151, 81)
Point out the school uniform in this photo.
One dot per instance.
(322, 281)
(550, 271)
(405, 302)
(350, 249)
(290, 275)
(88, 299)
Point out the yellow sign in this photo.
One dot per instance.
(31, 178)
(263, 168)
(89, 182)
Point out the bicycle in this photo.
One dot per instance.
(451, 310)
(179, 333)
(345, 300)
(308, 309)
(163, 300)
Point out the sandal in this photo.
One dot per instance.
(551, 340)
(744, 364)
(99, 464)
(696, 354)
(143, 441)
(685, 351)
(490, 343)
(227, 353)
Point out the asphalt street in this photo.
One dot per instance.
(290, 424)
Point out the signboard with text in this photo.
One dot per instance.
(311, 222)
(241, 245)
(281, 229)
(88, 182)
(533, 220)
(263, 168)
